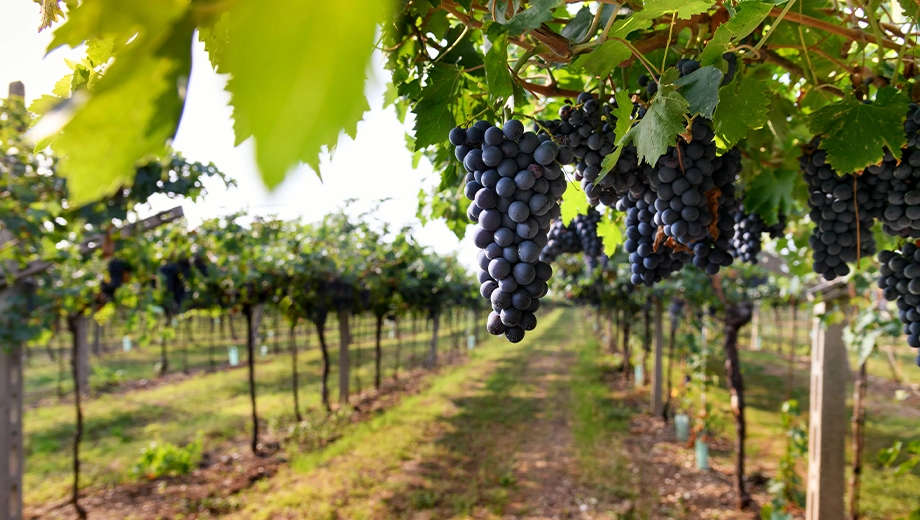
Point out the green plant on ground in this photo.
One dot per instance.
(317, 429)
(105, 378)
(889, 457)
(785, 487)
(165, 459)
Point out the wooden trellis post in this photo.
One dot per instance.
(11, 451)
(827, 417)
(657, 405)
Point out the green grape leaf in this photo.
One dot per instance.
(701, 90)
(533, 17)
(743, 104)
(771, 192)
(574, 203)
(577, 28)
(434, 116)
(660, 126)
(117, 20)
(133, 113)
(747, 18)
(623, 114)
(911, 10)
(462, 52)
(498, 77)
(215, 38)
(293, 105)
(608, 229)
(683, 8)
(603, 59)
(855, 134)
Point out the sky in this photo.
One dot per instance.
(206, 134)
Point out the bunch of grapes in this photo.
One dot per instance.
(681, 178)
(118, 271)
(650, 260)
(746, 244)
(591, 243)
(714, 252)
(560, 240)
(900, 283)
(897, 183)
(513, 184)
(588, 129)
(842, 208)
(749, 228)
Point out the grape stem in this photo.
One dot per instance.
(773, 26)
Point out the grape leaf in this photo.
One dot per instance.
(743, 104)
(701, 90)
(603, 59)
(855, 134)
(434, 116)
(608, 229)
(578, 26)
(133, 113)
(462, 53)
(612, 52)
(623, 114)
(769, 193)
(747, 18)
(117, 20)
(498, 77)
(574, 203)
(683, 8)
(533, 17)
(660, 126)
(295, 104)
(911, 8)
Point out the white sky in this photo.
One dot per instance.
(206, 135)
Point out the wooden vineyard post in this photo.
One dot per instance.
(343, 355)
(11, 449)
(827, 421)
(755, 328)
(81, 331)
(657, 406)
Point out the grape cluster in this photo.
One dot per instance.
(514, 180)
(648, 263)
(842, 208)
(588, 129)
(714, 252)
(900, 283)
(118, 271)
(560, 240)
(897, 184)
(580, 236)
(681, 178)
(591, 243)
(749, 228)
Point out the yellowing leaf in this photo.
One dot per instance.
(608, 229)
(62, 87)
(574, 203)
